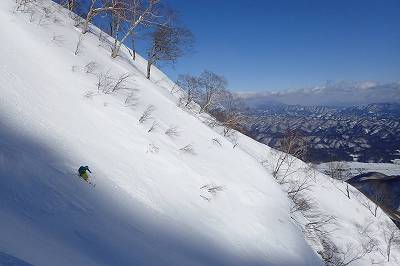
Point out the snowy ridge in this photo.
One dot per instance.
(150, 205)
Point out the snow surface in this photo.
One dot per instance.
(148, 207)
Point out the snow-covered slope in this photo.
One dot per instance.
(356, 167)
(146, 207)
(150, 205)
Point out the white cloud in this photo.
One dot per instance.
(343, 93)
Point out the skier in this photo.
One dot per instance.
(82, 173)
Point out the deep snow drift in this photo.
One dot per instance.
(149, 206)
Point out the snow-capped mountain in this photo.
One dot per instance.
(169, 190)
(369, 133)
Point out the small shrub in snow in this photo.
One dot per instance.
(174, 89)
(153, 148)
(57, 20)
(205, 198)
(89, 94)
(293, 147)
(120, 83)
(334, 256)
(91, 67)
(46, 13)
(172, 131)
(22, 5)
(103, 41)
(188, 149)
(153, 127)
(147, 113)
(301, 203)
(211, 191)
(57, 39)
(32, 14)
(104, 82)
(373, 206)
(132, 99)
(217, 141)
(74, 68)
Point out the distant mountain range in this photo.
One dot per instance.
(343, 93)
(364, 133)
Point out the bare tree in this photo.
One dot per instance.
(97, 7)
(230, 115)
(391, 235)
(191, 85)
(213, 86)
(371, 203)
(147, 113)
(293, 146)
(58, 39)
(168, 43)
(132, 51)
(136, 13)
(339, 171)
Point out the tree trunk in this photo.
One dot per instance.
(71, 4)
(148, 69)
(133, 46)
(87, 20)
(118, 44)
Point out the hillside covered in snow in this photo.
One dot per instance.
(169, 189)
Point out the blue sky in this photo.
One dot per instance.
(274, 45)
